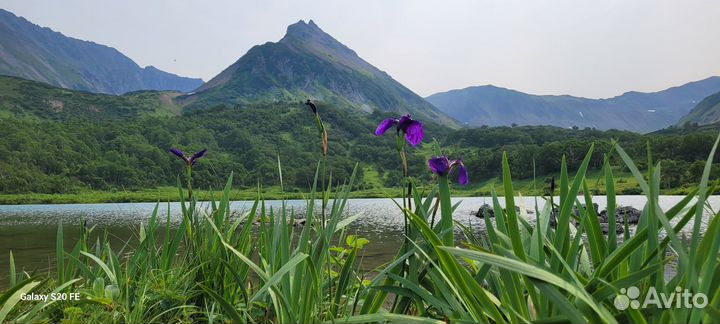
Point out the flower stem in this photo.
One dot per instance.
(406, 192)
(189, 182)
(324, 191)
(446, 219)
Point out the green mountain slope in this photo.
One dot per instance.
(634, 111)
(20, 97)
(706, 112)
(41, 54)
(309, 63)
(58, 140)
(63, 141)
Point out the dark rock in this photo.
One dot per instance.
(602, 216)
(633, 217)
(485, 209)
(632, 214)
(605, 227)
(576, 211)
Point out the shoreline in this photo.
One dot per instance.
(166, 195)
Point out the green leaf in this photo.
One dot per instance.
(356, 243)
(537, 273)
(103, 266)
(13, 275)
(385, 317)
(12, 297)
(59, 253)
(230, 311)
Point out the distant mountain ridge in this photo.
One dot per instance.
(41, 54)
(309, 63)
(706, 112)
(635, 111)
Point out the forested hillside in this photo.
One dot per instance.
(62, 141)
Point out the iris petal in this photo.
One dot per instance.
(404, 122)
(177, 152)
(193, 159)
(414, 132)
(385, 125)
(439, 165)
(199, 154)
(462, 174)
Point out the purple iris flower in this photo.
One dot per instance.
(412, 129)
(443, 166)
(189, 160)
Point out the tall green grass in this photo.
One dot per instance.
(518, 272)
(259, 267)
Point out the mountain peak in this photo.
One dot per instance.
(301, 29)
(310, 37)
(309, 63)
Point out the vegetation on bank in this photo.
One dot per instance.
(625, 184)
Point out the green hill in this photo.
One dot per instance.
(706, 112)
(57, 140)
(23, 97)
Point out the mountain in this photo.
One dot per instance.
(635, 111)
(706, 112)
(41, 54)
(309, 63)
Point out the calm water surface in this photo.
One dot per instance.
(30, 230)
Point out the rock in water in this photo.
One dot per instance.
(632, 214)
(485, 209)
(605, 228)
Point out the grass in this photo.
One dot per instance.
(220, 268)
(625, 183)
(165, 194)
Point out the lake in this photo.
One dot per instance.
(30, 230)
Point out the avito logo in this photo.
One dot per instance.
(680, 298)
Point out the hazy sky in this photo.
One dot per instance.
(597, 48)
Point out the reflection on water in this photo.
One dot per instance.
(30, 230)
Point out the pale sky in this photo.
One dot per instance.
(598, 48)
